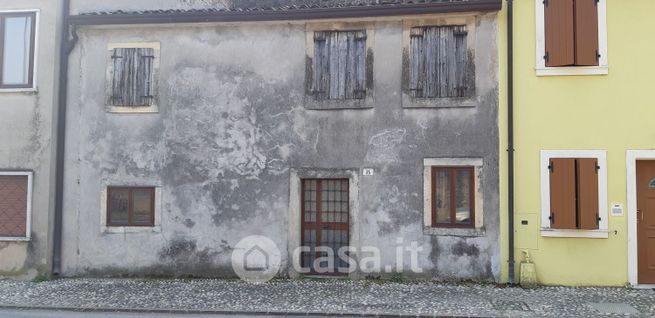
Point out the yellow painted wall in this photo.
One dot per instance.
(614, 112)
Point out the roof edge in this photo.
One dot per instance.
(281, 15)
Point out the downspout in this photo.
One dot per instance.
(69, 39)
(510, 136)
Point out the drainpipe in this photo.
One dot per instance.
(69, 38)
(510, 136)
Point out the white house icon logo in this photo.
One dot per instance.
(256, 259)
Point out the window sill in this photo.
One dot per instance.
(131, 229)
(15, 239)
(459, 232)
(448, 102)
(132, 109)
(546, 232)
(19, 90)
(573, 71)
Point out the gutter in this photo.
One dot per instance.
(68, 41)
(200, 16)
(510, 137)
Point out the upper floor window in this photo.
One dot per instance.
(438, 62)
(339, 65)
(571, 33)
(132, 77)
(17, 36)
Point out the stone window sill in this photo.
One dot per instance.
(132, 109)
(15, 239)
(131, 229)
(428, 230)
(547, 232)
(572, 71)
(413, 102)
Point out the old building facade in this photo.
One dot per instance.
(320, 132)
(191, 125)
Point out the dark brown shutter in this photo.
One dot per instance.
(562, 194)
(339, 65)
(13, 206)
(586, 32)
(132, 77)
(559, 32)
(587, 193)
(438, 62)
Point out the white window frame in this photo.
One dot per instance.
(28, 225)
(35, 66)
(546, 230)
(543, 70)
(477, 164)
(104, 228)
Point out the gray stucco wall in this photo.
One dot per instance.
(27, 142)
(232, 124)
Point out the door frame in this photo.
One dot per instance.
(631, 168)
(295, 216)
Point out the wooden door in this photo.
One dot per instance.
(646, 222)
(325, 221)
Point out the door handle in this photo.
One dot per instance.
(640, 215)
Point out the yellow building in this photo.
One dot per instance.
(583, 141)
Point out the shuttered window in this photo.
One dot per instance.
(132, 77)
(438, 62)
(571, 32)
(574, 193)
(339, 65)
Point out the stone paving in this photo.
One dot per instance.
(342, 297)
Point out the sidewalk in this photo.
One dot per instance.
(343, 297)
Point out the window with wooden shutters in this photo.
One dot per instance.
(132, 77)
(339, 65)
(438, 65)
(571, 33)
(574, 193)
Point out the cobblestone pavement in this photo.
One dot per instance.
(344, 297)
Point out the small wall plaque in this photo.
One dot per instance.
(368, 172)
(617, 209)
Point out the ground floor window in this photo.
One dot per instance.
(130, 206)
(15, 204)
(453, 197)
(453, 202)
(573, 192)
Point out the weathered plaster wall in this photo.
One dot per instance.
(27, 142)
(231, 125)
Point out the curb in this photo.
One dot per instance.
(227, 312)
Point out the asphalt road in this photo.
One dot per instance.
(22, 313)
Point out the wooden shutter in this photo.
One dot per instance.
(562, 194)
(339, 65)
(586, 32)
(132, 76)
(438, 62)
(559, 32)
(587, 186)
